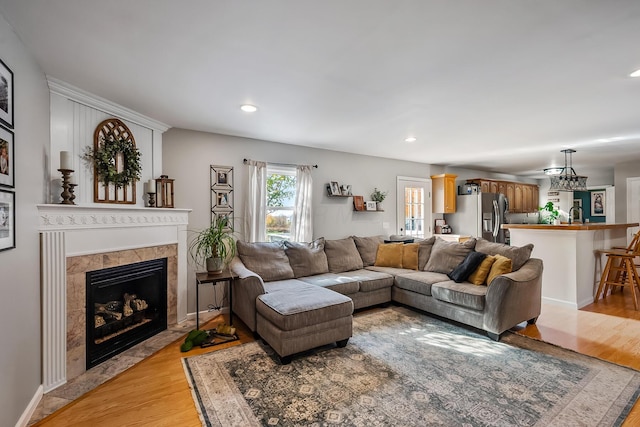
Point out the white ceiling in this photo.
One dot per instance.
(500, 85)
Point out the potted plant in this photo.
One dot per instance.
(548, 214)
(378, 197)
(214, 245)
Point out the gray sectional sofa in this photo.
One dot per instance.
(298, 296)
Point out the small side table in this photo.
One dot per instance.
(214, 279)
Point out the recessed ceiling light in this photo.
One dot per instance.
(636, 73)
(248, 108)
(410, 139)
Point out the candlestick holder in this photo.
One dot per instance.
(66, 194)
(71, 191)
(152, 199)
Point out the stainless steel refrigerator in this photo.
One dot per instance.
(480, 215)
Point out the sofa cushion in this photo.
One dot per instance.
(502, 265)
(389, 255)
(368, 248)
(410, 256)
(419, 281)
(267, 259)
(518, 255)
(467, 266)
(307, 259)
(479, 277)
(337, 282)
(301, 306)
(424, 251)
(342, 255)
(445, 256)
(370, 280)
(463, 294)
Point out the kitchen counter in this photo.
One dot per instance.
(453, 237)
(574, 226)
(571, 257)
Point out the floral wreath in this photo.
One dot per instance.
(104, 160)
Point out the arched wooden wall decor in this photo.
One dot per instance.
(107, 132)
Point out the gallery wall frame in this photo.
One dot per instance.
(7, 220)
(221, 194)
(598, 207)
(7, 158)
(577, 211)
(6, 95)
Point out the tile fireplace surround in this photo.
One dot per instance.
(77, 239)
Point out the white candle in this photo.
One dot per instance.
(73, 180)
(65, 160)
(150, 186)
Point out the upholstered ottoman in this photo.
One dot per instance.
(303, 317)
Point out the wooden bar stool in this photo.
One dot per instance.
(621, 270)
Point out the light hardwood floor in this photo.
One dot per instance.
(155, 392)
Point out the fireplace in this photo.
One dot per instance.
(125, 305)
(75, 240)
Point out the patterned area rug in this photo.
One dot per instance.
(402, 368)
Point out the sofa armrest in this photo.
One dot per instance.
(246, 288)
(514, 297)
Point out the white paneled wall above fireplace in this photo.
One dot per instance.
(75, 114)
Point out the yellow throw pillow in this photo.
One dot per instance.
(389, 255)
(410, 256)
(479, 277)
(502, 265)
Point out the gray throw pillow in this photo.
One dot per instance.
(517, 255)
(307, 259)
(342, 255)
(368, 247)
(267, 259)
(445, 256)
(424, 251)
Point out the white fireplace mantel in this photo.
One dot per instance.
(72, 230)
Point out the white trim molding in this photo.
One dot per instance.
(78, 95)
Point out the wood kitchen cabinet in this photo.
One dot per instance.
(444, 193)
(523, 198)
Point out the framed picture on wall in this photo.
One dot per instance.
(7, 161)
(7, 220)
(6, 95)
(598, 203)
(221, 176)
(576, 214)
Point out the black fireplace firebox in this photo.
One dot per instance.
(125, 306)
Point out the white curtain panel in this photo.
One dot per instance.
(255, 229)
(302, 226)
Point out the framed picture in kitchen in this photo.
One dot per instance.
(598, 203)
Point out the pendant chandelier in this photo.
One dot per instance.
(568, 179)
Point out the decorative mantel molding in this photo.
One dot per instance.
(69, 217)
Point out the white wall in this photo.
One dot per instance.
(622, 172)
(188, 154)
(20, 370)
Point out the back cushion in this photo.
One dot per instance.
(445, 256)
(307, 259)
(267, 259)
(517, 255)
(342, 255)
(424, 251)
(368, 248)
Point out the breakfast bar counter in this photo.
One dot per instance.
(572, 263)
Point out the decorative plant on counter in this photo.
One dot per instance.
(548, 213)
(378, 197)
(214, 246)
(108, 169)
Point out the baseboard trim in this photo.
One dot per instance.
(206, 314)
(561, 303)
(31, 408)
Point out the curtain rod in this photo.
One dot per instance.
(245, 161)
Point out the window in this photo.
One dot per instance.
(413, 203)
(281, 195)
